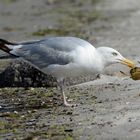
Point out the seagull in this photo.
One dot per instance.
(64, 57)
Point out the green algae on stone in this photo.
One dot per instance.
(11, 29)
(9, 1)
(49, 31)
(85, 17)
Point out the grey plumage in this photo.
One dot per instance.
(54, 50)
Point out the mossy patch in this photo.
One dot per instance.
(49, 31)
(12, 29)
(9, 1)
(72, 20)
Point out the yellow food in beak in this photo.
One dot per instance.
(128, 62)
(135, 73)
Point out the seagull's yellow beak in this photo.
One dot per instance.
(127, 62)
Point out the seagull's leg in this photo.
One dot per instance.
(61, 85)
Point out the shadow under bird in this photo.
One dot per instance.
(64, 57)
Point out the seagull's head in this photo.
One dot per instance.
(110, 56)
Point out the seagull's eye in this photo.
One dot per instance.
(114, 54)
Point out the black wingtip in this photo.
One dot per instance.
(4, 45)
(3, 41)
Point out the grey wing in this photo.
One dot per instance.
(56, 50)
(53, 50)
(66, 44)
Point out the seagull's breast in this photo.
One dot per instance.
(89, 59)
(85, 62)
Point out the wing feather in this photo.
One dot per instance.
(53, 50)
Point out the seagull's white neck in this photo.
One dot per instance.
(97, 61)
(90, 58)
